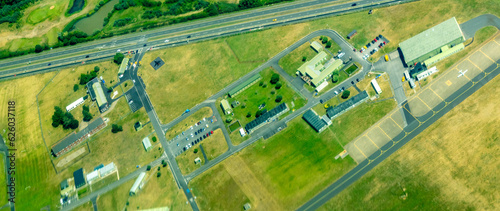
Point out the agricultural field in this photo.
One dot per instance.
(262, 93)
(448, 166)
(185, 124)
(187, 68)
(159, 192)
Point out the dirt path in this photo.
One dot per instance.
(250, 185)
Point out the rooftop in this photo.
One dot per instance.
(314, 120)
(327, 71)
(123, 65)
(79, 178)
(100, 97)
(244, 84)
(333, 111)
(266, 116)
(431, 39)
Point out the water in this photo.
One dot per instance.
(93, 23)
(77, 6)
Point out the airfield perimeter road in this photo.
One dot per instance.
(413, 129)
(126, 43)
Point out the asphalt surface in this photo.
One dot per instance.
(413, 129)
(470, 27)
(127, 43)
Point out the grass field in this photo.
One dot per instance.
(255, 95)
(49, 11)
(85, 207)
(215, 145)
(186, 159)
(96, 185)
(236, 138)
(342, 77)
(159, 192)
(188, 122)
(3, 180)
(448, 166)
(187, 68)
(115, 199)
(213, 186)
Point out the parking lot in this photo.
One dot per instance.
(373, 46)
(196, 134)
(422, 106)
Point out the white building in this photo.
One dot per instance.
(137, 184)
(75, 104)
(376, 86)
(146, 143)
(321, 86)
(242, 132)
(92, 176)
(427, 73)
(107, 169)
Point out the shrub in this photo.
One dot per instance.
(118, 58)
(154, 138)
(261, 83)
(335, 79)
(148, 168)
(346, 94)
(273, 92)
(278, 98)
(195, 151)
(249, 114)
(275, 78)
(116, 128)
(304, 58)
(278, 86)
(38, 48)
(75, 87)
(328, 44)
(96, 69)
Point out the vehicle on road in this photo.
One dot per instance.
(275, 19)
(145, 45)
(166, 41)
(212, 132)
(336, 93)
(48, 64)
(118, 50)
(130, 101)
(352, 5)
(370, 12)
(189, 36)
(386, 58)
(87, 56)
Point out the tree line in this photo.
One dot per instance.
(10, 10)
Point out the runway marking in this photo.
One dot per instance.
(495, 41)
(449, 83)
(384, 132)
(360, 150)
(487, 56)
(372, 141)
(411, 113)
(475, 65)
(424, 102)
(396, 122)
(436, 94)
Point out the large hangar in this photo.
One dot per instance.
(430, 42)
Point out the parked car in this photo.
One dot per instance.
(380, 36)
(212, 132)
(352, 5)
(49, 64)
(204, 136)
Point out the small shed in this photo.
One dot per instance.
(197, 160)
(350, 35)
(242, 132)
(138, 126)
(376, 86)
(247, 206)
(146, 143)
(316, 46)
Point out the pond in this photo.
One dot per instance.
(90, 24)
(77, 6)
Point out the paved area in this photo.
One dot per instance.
(470, 27)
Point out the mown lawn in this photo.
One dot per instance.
(185, 124)
(215, 145)
(292, 61)
(117, 198)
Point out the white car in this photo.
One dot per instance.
(336, 93)
(166, 41)
(118, 50)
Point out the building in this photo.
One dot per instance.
(429, 43)
(66, 188)
(445, 52)
(108, 169)
(79, 178)
(74, 139)
(427, 73)
(314, 120)
(376, 86)
(225, 106)
(316, 46)
(247, 206)
(411, 81)
(419, 68)
(93, 176)
(138, 126)
(321, 86)
(146, 143)
(333, 112)
(197, 160)
(266, 117)
(137, 184)
(96, 92)
(75, 104)
(241, 87)
(352, 34)
(242, 132)
(123, 67)
(99, 167)
(315, 72)
(406, 74)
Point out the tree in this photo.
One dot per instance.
(73, 40)
(164, 163)
(261, 83)
(346, 94)
(154, 138)
(249, 114)
(116, 128)
(87, 116)
(57, 117)
(96, 69)
(75, 87)
(324, 40)
(249, 4)
(273, 92)
(158, 168)
(86, 108)
(73, 124)
(278, 86)
(335, 79)
(195, 151)
(278, 98)
(38, 48)
(275, 78)
(68, 121)
(258, 113)
(229, 118)
(118, 58)
(148, 168)
(328, 44)
(158, 174)
(304, 58)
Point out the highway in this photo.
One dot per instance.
(127, 43)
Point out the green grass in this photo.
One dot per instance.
(320, 108)
(236, 138)
(3, 181)
(297, 163)
(255, 95)
(43, 13)
(115, 199)
(351, 69)
(213, 186)
(186, 159)
(355, 121)
(24, 43)
(52, 36)
(215, 145)
(234, 126)
(342, 77)
(85, 207)
(83, 192)
(292, 61)
(104, 182)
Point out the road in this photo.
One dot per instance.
(127, 43)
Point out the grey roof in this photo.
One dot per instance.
(314, 120)
(75, 136)
(352, 33)
(64, 184)
(79, 178)
(417, 69)
(431, 39)
(331, 112)
(265, 116)
(98, 167)
(244, 84)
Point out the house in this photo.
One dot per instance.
(79, 178)
(242, 132)
(137, 184)
(146, 143)
(74, 139)
(108, 169)
(316, 46)
(333, 112)
(225, 106)
(93, 176)
(315, 121)
(197, 160)
(266, 117)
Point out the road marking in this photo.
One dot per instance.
(384, 132)
(475, 65)
(496, 41)
(360, 150)
(424, 103)
(411, 113)
(396, 122)
(487, 56)
(449, 83)
(372, 141)
(436, 94)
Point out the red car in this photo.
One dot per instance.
(212, 132)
